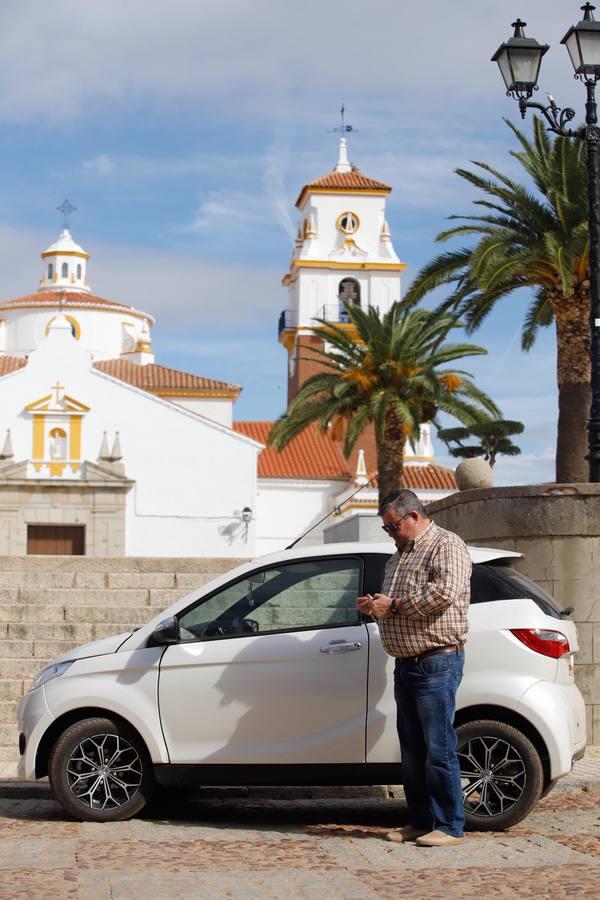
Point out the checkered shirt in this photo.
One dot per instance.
(431, 583)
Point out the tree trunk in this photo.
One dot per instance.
(573, 376)
(390, 456)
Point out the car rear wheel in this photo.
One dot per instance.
(501, 772)
(100, 771)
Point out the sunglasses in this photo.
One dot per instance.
(390, 529)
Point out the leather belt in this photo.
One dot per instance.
(447, 648)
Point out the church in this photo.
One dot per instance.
(105, 452)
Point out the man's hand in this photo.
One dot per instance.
(365, 604)
(380, 608)
(376, 605)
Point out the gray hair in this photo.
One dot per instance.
(403, 502)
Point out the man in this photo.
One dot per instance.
(422, 616)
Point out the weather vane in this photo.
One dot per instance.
(343, 128)
(66, 209)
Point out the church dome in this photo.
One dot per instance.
(65, 244)
(65, 265)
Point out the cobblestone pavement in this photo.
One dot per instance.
(248, 844)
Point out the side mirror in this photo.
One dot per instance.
(166, 632)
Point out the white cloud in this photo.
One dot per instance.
(263, 60)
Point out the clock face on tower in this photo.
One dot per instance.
(348, 223)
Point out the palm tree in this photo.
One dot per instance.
(392, 375)
(533, 239)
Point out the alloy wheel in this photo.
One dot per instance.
(493, 775)
(104, 771)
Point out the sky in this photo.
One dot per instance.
(184, 131)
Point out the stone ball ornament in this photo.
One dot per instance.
(473, 473)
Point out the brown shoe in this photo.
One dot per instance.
(406, 833)
(438, 839)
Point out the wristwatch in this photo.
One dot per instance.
(394, 607)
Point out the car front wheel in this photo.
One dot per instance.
(501, 772)
(100, 771)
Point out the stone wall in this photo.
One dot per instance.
(557, 528)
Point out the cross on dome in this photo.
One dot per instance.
(65, 262)
(66, 208)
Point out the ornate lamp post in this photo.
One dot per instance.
(519, 60)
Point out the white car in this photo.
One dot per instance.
(268, 675)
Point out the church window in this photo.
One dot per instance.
(79, 272)
(65, 270)
(348, 294)
(348, 223)
(50, 271)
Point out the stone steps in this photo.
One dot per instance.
(50, 604)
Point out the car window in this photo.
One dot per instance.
(490, 583)
(308, 594)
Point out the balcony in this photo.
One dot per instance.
(288, 318)
(334, 312)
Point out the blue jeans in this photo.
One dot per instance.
(425, 693)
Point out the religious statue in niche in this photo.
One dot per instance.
(57, 444)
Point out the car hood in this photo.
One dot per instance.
(95, 648)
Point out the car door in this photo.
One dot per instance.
(270, 669)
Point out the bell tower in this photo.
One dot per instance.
(343, 253)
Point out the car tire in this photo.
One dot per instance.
(100, 771)
(501, 772)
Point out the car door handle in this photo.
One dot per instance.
(341, 648)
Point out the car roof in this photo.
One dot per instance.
(478, 554)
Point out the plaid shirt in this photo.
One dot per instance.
(431, 583)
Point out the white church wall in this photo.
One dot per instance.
(191, 475)
(369, 208)
(286, 508)
(219, 410)
(103, 333)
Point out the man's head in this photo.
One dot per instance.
(404, 516)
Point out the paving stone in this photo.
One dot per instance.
(25, 884)
(35, 853)
(238, 884)
(554, 882)
(250, 847)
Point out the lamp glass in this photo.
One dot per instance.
(525, 64)
(572, 45)
(505, 69)
(589, 42)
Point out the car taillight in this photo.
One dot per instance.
(544, 641)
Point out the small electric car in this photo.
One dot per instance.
(268, 675)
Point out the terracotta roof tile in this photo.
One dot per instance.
(71, 300)
(426, 478)
(161, 379)
(314, 455)
(311, 455)
(343, 181)
(10, 364)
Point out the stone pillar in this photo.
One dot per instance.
(557, 528)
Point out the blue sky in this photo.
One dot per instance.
(183, 133)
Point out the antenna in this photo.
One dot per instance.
(342, 127)
(331, 511)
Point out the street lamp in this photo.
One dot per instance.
(519, 60)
